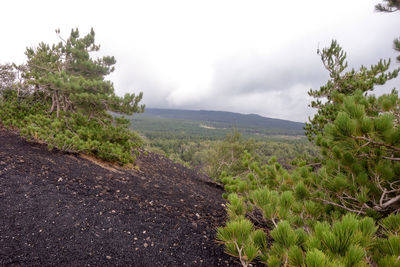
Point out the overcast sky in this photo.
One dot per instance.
(241, 56)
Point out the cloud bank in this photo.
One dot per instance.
(233, 55)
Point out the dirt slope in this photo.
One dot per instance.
(62, 210)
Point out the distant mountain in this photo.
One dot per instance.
(211, 123)
(229, 119)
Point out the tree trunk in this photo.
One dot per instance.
(57, 103)
(53, 103)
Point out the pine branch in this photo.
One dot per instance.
(390, 158)
(338, 205)
(387, 203)
(376, 143)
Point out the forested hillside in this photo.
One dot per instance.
(223, 119)
(192, 137)
(326, 195)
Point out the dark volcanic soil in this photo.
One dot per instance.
(62, 210)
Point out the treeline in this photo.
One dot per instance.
(161, 127)
(199, 152)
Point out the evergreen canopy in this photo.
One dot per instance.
(63, 99)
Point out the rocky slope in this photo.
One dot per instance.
(59, 209)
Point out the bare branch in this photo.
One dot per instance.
(391, 158)
(388, 203)
(338, 205)
(376, 143)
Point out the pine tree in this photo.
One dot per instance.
(74, 81)
(341, 82)
(390, 6)
(63, 99)
(347, 212)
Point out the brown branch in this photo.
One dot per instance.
(387, 203)
(382, 198)
(313, 164)
(393, 190)
(53, 104)
(366, 144)
(242, 260)
(392, 184)
(338, 205)
(391, 158)
(376, 143)
(57, 103)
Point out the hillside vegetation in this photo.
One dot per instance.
(344, 211)
(194, 138)
(340, 207)
(60, 97)
(221, 120)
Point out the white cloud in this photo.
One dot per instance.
(251, 56)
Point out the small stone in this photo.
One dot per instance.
(194, 224)
(108, 257)
(145, 245)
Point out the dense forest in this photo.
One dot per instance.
(337, 207)
(251, 123)
(193, 137)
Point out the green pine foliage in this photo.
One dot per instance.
(63, 100)
(241, 239)
(361, 151)
(342, 83)
(388, 6)
(343, 211)
(226, 156)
